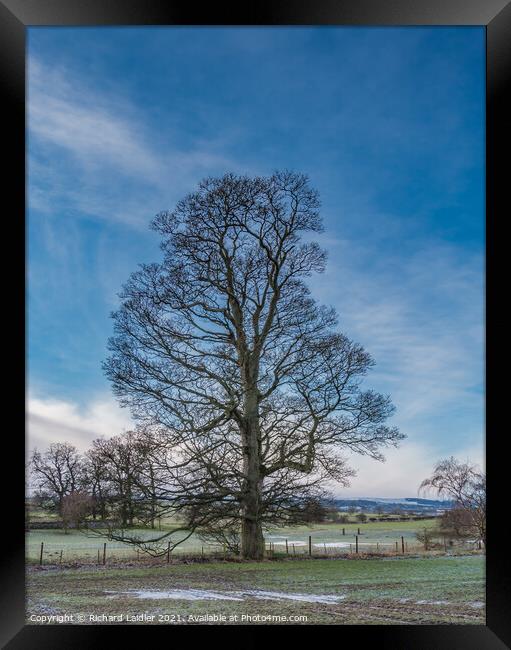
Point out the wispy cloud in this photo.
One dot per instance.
(421, 319)
(94, 155)
(78, 123)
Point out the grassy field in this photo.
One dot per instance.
(327, 538)
(398, 590)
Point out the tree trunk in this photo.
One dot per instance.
(124, 512)
(94, 504)
(252, 540)
(153, 500)
(129, 505)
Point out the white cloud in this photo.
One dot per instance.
(83, 124)
(51, 419)
(55, 420)
(93, 154)
(422, 321)
(403, 470)
(91, 134)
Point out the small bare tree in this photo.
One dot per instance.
(426, 537)
(56, 473)
(119, 458)
(457, 523)
(464, 484)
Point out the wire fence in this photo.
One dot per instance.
(54, 553)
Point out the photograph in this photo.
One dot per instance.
(255, 337)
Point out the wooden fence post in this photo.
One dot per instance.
(41, 554)
(358, 531)
(310, 545)
(356, 543)
(344, 531)
(396, 547)
(104, 553)
(294, 549)
(98, 556)
(287, 548)
(402, 544)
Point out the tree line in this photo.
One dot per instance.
(113, 482)
(125, 482)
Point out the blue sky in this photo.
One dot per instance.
(387, 122)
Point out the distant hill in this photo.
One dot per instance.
(386, 504)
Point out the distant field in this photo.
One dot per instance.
(399, 590)
(326, 538)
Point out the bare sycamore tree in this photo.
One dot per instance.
(222, 347)
(464, 484)
(56, 473)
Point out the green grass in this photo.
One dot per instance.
(77, 545)
(374, 530)
(375, 591)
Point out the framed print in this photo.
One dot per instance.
(260, 255)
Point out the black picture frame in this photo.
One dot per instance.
(15, 17)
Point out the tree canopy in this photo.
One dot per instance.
(221, 350)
